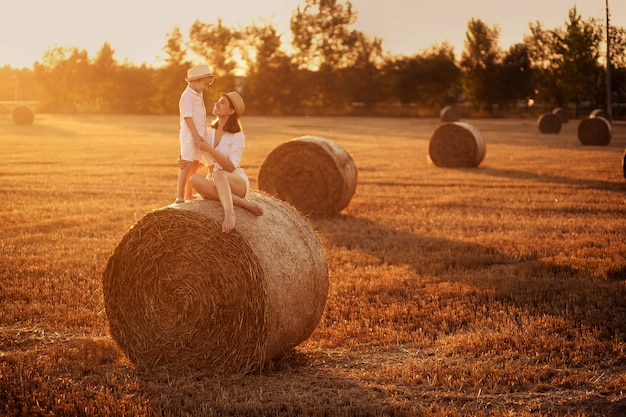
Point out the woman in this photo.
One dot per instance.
(223, 148)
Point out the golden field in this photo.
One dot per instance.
(493, 291)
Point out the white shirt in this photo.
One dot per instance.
(191, 104)
(231, 146)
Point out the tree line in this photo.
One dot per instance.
(331, 68)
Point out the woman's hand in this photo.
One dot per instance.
(182, 163)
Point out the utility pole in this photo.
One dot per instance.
(609, 105)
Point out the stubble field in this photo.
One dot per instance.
(492, 291)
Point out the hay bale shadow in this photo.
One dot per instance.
(537, 286)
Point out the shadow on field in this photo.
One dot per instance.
(556, 179)
(536, 286)
(300, 389)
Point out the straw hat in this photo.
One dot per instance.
(236, 101)
(199, 71)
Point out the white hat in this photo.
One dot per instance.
(236, 101)
(199, 71)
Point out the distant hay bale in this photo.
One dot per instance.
(449, 114)
(562, 114)
(595, 131)
(181, 296)
(23, 115)
(600, 113)
(314, 174)
(456, 145)
(549, 123)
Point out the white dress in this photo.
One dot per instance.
(231, 146)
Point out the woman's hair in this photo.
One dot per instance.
(232, 124)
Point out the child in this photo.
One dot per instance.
(193, 126)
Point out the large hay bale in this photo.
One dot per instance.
(314, 174)
(562, 114)
(23, 115)
(456, 145)
(549, 123)
(449, 114)
(600, 113)
(595, 131)
(181, 296)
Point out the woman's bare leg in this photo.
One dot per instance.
(225, 194)
(207, 190)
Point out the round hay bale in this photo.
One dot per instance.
(456, 145)
(181, 296)
(314, 174)
(549, 123)
(562, 114)
(449, 114)
(600, 113)
(23, 115)
(595, 131)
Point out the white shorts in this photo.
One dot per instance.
(188, 149)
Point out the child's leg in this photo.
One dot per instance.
(183, 174)
(193, 168)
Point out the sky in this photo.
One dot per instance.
(137, 29)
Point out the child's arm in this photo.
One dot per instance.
(193, 130)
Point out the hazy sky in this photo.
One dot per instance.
(136, 29)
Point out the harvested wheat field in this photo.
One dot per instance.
(495, 290)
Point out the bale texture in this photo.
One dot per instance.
(595, 131)
(449, 114)
(181, 296)
(456, 145)
(600, 113)
(314, 174)
(549, 123)
(624, 163)
(23, 115)
(562, 114)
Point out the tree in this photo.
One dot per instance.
(479, 63)
(62, 76)
(566, 62)
(321, 35)
(516, 75)
(324, 44)
(431, 79)
(104, 80)
(217, 46)
(362, 80)
(618, 69)
(581, 76)
(271, 82)
(170, 78)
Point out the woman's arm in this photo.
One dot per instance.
(235, 151)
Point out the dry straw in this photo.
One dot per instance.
(600, 113)
(595, 131)
(562, 114)
(449, 114)
(314, 174)
(181, 296)
(456, 145)
(23, 115)
(624, 163)
(549, 123)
